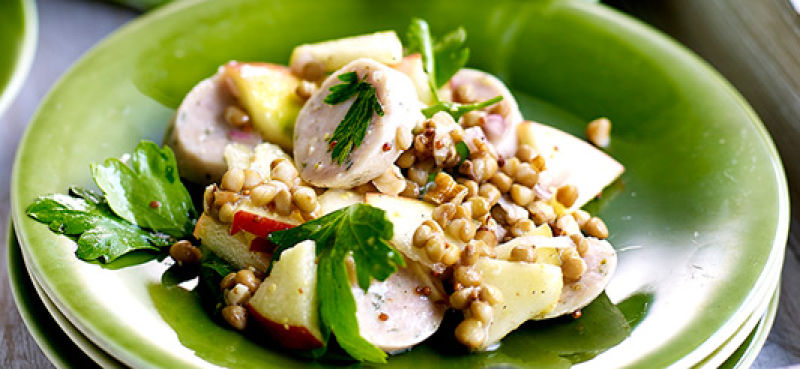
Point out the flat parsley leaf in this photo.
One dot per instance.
(99, 233)
(440, 60)
(360, 231)
(351, 130)
(148, 191)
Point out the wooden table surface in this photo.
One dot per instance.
(754, 43)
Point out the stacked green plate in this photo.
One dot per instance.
(699, 218)
(18, 30)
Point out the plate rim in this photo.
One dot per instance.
(24, 61)
(782, 221)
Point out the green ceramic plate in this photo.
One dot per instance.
(66, 347)
(84, 354)
(700, 217)
(18, 29)
(760, 317)
(55, 340)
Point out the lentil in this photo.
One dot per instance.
(263, 194)
(252, 178)
(471, 333)
(598, 131)
(525, 153)
(566, 195)
(490, 294)
(474, 118)
(284, 171)
(541, 212)
(236, 116)
(461, 298)
(283, 202)
(233, 180)
(481, 311)
(467, 276)
(247, 278)
(406, 159)
(226, 212)
(235, 316)
(184, 253)
(502, 181)
(228, 281)
(521, 195)
(595, 227)
(522, 227)
(572, 265)
(526, 175)
(523, 253)
(451, 254)
(237, 295)
(581, 216)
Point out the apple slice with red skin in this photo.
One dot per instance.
(285, 305)
(259, 226)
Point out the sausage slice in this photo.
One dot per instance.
(318, 120)
(199, 133)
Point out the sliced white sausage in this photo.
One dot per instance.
(601, 261)
(318, 120)
(500, 129)
(199, 132)
(393, 315)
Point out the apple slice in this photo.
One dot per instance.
(570, 160)
(528, 290)
(332, 200)
(267, 91)
(383, 47)
(406, 215)
(285, 304)
(547, 248)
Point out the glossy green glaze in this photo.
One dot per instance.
(44, 329)
(17, 42)
(699, 218)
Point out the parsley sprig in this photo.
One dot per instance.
(440, 61)
(362, 232)
(351, 130)
(144, 206)
(86, 217)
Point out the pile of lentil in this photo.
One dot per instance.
(480, 201)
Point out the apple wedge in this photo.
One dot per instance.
(600, 259)
(569, 160)
(406, 215)
(285, 304)
(546, 247)
(383, 47)
(267, 92)
(528, 290)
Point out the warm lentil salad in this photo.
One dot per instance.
(363, 191)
